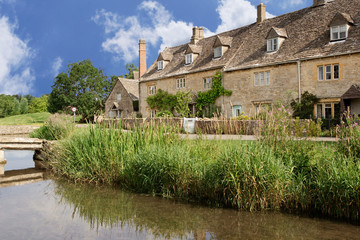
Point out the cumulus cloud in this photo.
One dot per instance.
(16, 77)
(236, 13)
(56, 65)
(159, 28)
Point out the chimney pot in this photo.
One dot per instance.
(142, 57)
(261, 13)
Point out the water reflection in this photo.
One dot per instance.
(164, 219)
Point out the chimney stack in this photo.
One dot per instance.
(198, 34)
(261, 13)
(319, 2)
(142, 57)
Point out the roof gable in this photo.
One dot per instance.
(277, 32)
(222, 41)
(353, 92)
(164, 56)
(192, 48)
(341, 18)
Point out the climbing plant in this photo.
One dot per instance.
(304, 109)
(209, 97)
(167, 103)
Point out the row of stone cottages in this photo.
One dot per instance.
(315, 49)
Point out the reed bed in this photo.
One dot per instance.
(275, 172)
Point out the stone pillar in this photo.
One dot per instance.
(2, 162)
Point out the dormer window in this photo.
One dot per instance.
(188, 58)
(338, 32)
(275, 39)
(272, 45)
(218, 52)
(160, 65)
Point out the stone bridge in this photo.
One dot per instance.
(17, 143)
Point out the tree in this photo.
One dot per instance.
(130, 67)
(24, 105)
(305, 108)
(7, 105)
(83, 86)
(39, 104)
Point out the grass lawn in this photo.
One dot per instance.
(25, 119)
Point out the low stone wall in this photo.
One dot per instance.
(203, 126)
(17, 129)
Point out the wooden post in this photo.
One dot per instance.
(2, 162)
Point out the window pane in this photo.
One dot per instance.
(343, 30)
(319, 110)
(256, 79)
(328, 72)
(118, 96)
(274, 44)
(328, 111)
(336, 71)
(269, 45)
(267, 78)
(262, 79)
(218, 52)
(183, 82)
(335, 33)
(320, 73)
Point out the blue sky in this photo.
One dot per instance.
(39, 38)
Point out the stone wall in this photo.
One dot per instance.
(17, 129)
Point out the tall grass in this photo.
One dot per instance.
(58, 126)
(276, 172)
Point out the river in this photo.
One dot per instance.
(58, 209)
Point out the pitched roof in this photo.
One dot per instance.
(308, 37)
(277, 32)
(131, 86)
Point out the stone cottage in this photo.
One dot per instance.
(123, 100)
(315, 49)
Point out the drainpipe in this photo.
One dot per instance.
(299, 78)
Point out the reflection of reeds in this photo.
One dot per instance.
(276, 172)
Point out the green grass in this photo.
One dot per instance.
(26, 119)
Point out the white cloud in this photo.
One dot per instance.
(16, 76)
(56, 65)
(158, 27)
(236, 13)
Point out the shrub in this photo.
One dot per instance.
(348, 133)
(59, 126)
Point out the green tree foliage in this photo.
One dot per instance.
(7, 104)
(305, 108)
(38, 105)
(82, 86)
(16, 109)
(130, 67)
(209, 97)
(182, 103)
(162, 101)
(24, 105)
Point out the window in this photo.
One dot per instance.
(272, 45)
(218, 52)
(261, 78)
(237, 110)
(328, 72)
(207, 83)
(152, 90)
(268, 78)
(338, 32)
(188, 58)
(327, 110)
(160, 65)
(180, 83)
(262, 107)
(118, 96)
(256, 79)
(153, 113)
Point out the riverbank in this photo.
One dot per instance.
(291, 175)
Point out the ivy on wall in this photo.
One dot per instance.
(209, 97)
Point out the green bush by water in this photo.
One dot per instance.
(272, 173)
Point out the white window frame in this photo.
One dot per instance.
(267, 75)
(320, 73)
(218, 52)
(152, 90)
(337, 31)
(262, 78)
(118, 96)
(188, 58)
(338, 71)
(160, 65)
(321, 110)
(180, 83)
(327, 72)
(256, 79)
(207, 83)
(272, 44)
(237, 110)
